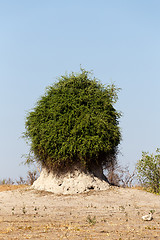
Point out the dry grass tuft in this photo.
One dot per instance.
(11, 187)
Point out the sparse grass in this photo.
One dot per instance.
(11, 187)
(13, 208)
(36, 210)
(24, 210)
(113, 219)
(147, 189)
(45, 208)
(121, 208)
(152, 211)
(91, 220)
(138, 187)
(91, 206)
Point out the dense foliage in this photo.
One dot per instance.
(74, 123)
(148, 169)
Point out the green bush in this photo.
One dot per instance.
(74, 123)
(148, 171)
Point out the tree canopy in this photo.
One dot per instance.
(75, 122)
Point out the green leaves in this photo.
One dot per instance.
(148, 169)
(74, 122)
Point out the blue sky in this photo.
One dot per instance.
(41, 40)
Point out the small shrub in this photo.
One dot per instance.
(120, 176)
(148, 171)
(91, 220)
(31, 177)
(8, 181)
(21, 181)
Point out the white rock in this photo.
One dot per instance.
(148, 217)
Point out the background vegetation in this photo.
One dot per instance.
(148, 171)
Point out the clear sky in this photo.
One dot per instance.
(41, 40)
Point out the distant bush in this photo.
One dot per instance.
(21, 181)
(120, 176)
(31, 177)
(8, 181)
(74, 123)
(148, 171)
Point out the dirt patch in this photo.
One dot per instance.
(113, 214)
(10, 187)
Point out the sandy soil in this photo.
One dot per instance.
(111, 214)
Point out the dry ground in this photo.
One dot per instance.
(112, 214)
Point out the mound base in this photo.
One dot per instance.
(69, 183)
